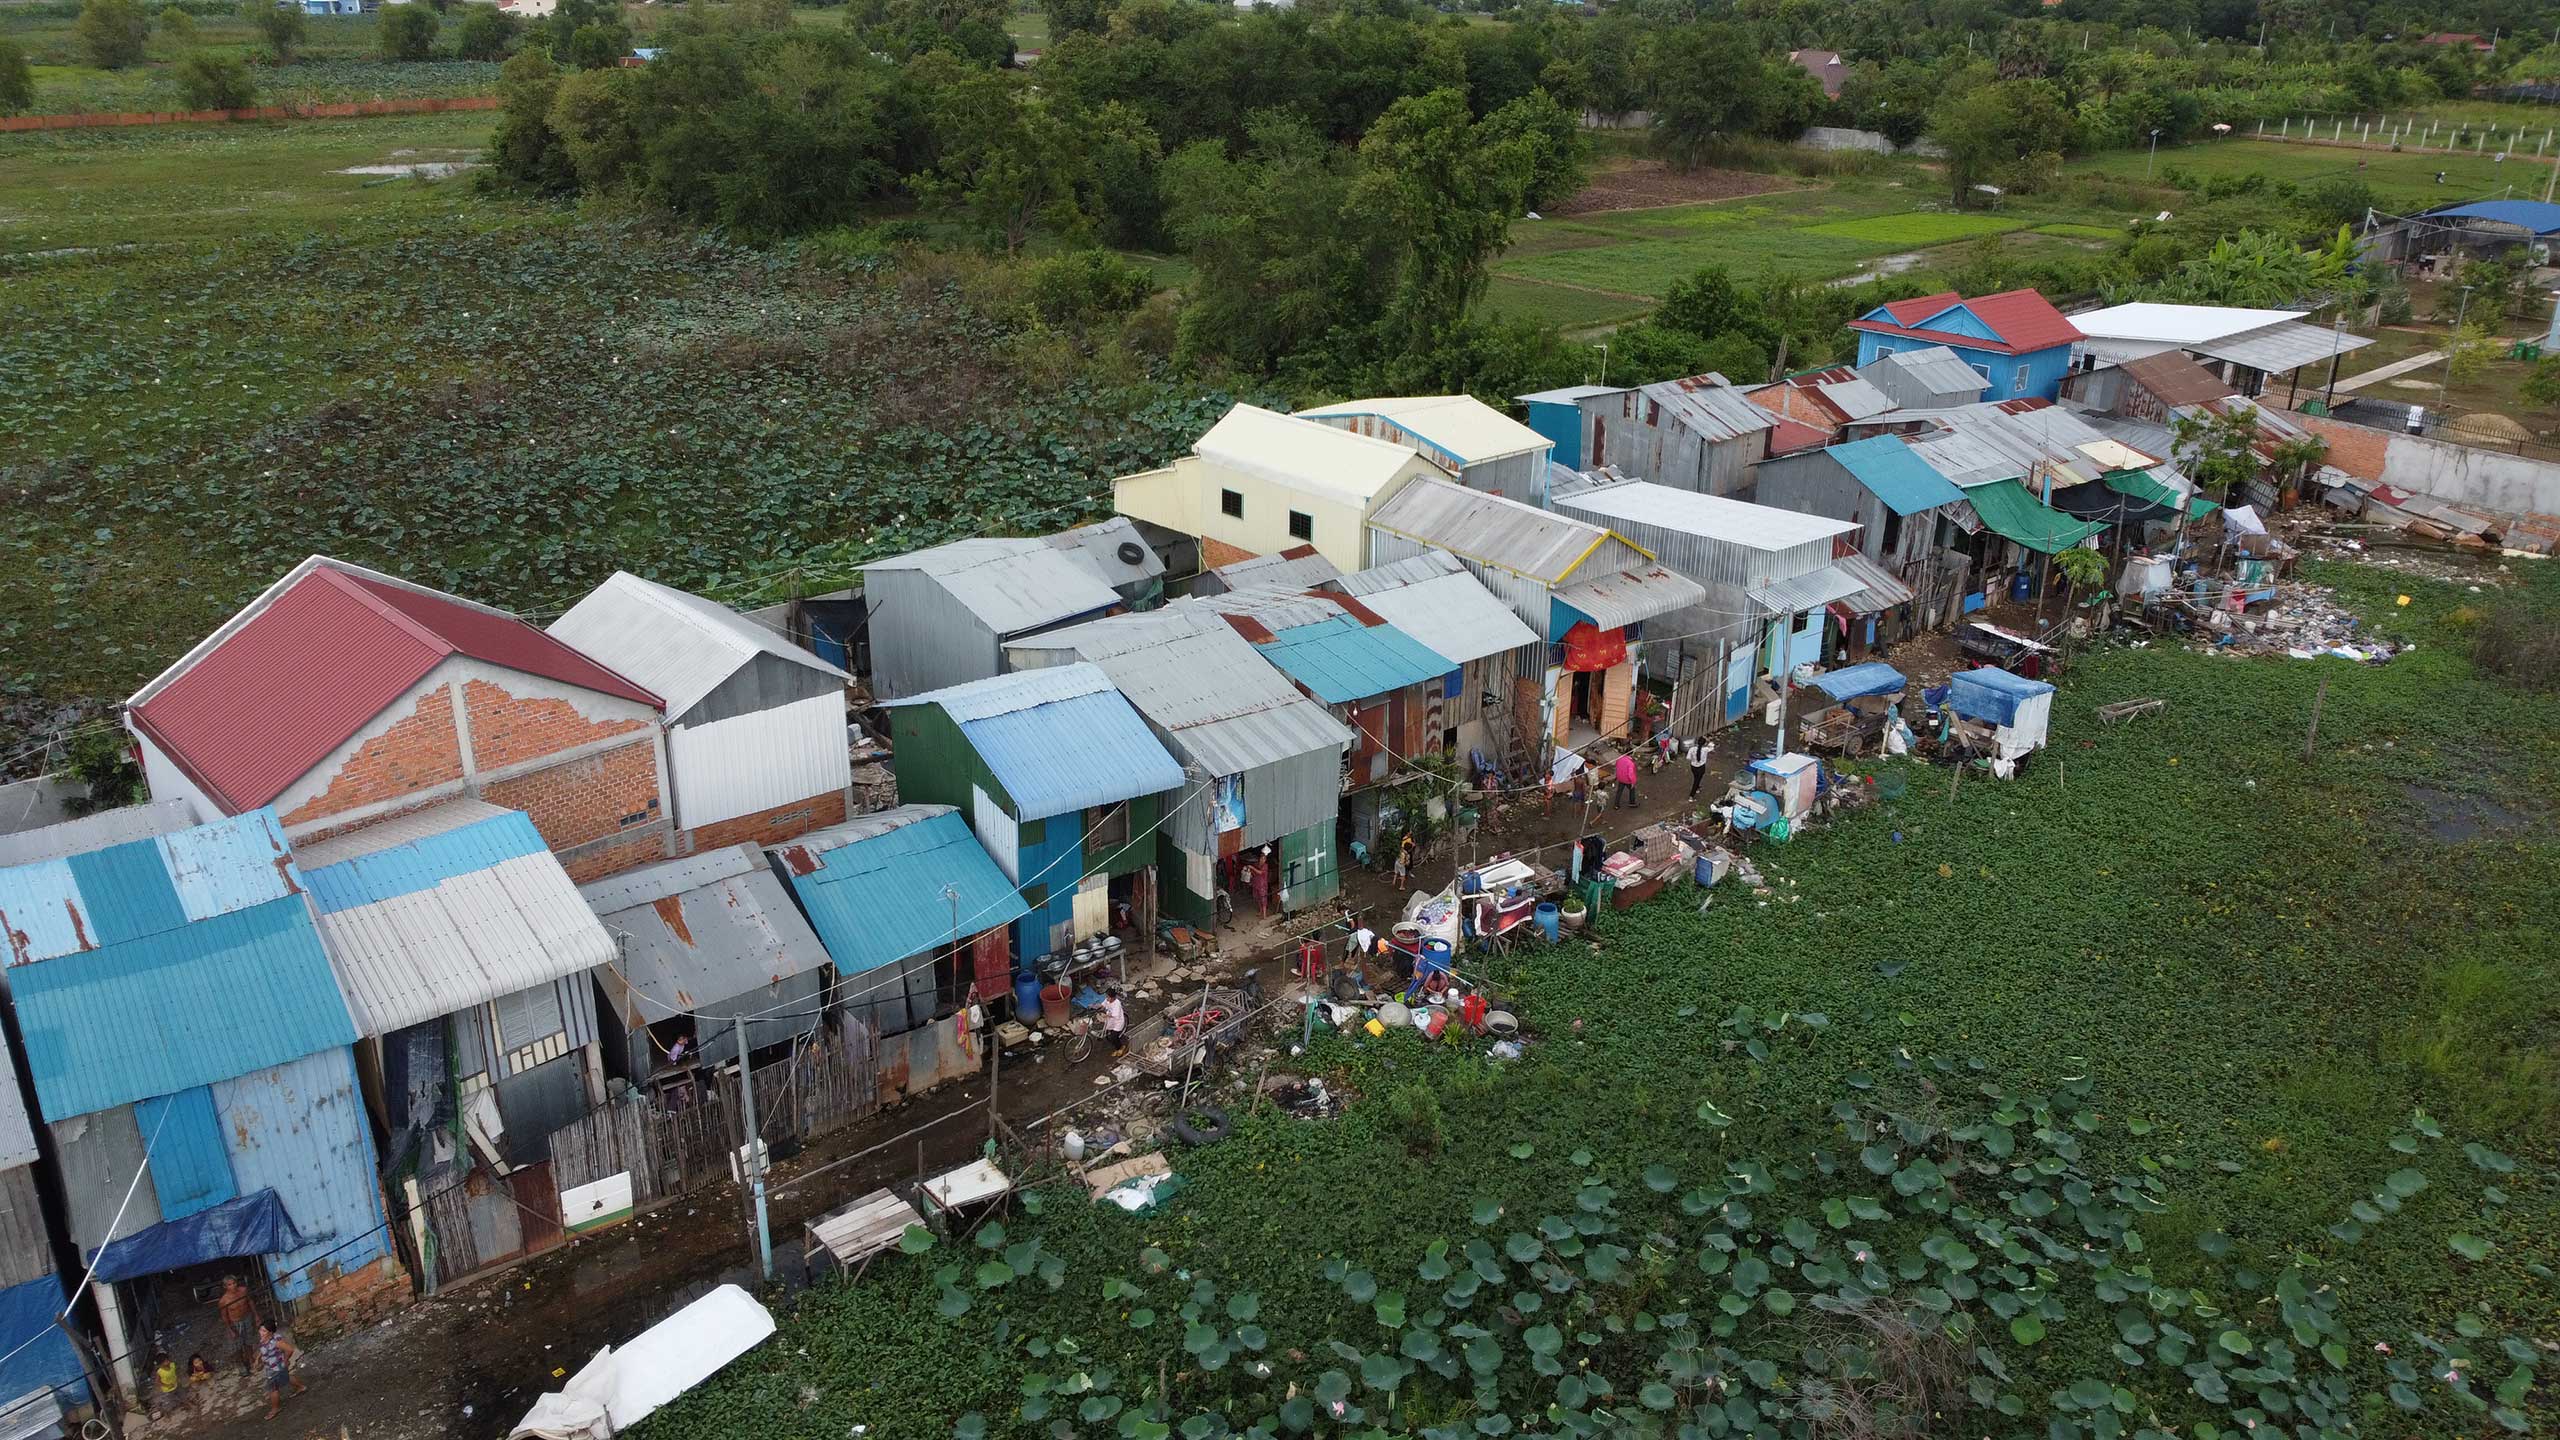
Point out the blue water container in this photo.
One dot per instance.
(1550, 920)
(1026, 996)
(1435, 954)
(2018, 586)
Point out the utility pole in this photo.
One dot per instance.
(2155, 155)
(2453, 341)
(754, 1161)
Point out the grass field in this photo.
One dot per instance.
(2268, 984)
(337, 61)
(2405, 179)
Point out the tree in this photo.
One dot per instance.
(177, 27)
(1075, 17)
(1122, 161)
(2219, 449)
(1707, 304)
(484, 33)
(526, 150)
(591, 113)
(2005, 134)
(1559, 155)
(112, 33)
(216, 82)
(765, 134)
(1280, 254)
(1706, 87)
(585, 34)
(2253, 269)
(2541, 388)
(1448, 190)
(2078, 565)
(281, 26)
(2468, 351)
(406, 32)
(17, 79)
(1005, 156)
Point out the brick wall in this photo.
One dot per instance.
(611, 859)
(416, 753)
(506, 728)
(771, 827)
(2352, 448)
(587, 799)
(1215, 552)
(344, 1300)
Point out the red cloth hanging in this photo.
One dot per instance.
(1588, 647)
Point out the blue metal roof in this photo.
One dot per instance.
(2532, 215)
(154, 966)
(874, 886)
(1340, 660)
(1058, 738)
(1992, 694)
(1895, 474)
(420, 863)
(1872, 678)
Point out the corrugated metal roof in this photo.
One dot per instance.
(296, 674)
(1709, 405)
(2006, 507)
(1880, 589)
(1433, 599)
(1340, 660)
(1625, 597)
(2007, 440)
(1010, 585)
(1099, 547)
(445, 908)
(1933, 368)
(2283, 346)
(1058, 738)
(95, 832)
(1855, 398)
(1300, 569)
(1488, 529)
(1226, 709)
(2150, 437)
(681, 646)
(1896, 473)
(2180, 325)
(153, 966)
(1735, 522)
(17, 1135)
(1809, 591)
(2023, 319)
(703, 929)
(2529, 215)
(1566, 395)
(1462, 428)
(1303, 455)
(875, 887)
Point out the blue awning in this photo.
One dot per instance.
(1872, 678)
(38, 1353)
(254, 1224)
(1993, 695)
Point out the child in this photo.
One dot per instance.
(276, 1355)
(199, 1377)
(164, 1385)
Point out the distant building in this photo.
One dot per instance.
(1557, 415)
(2461, 39)
(1475, 444)
(1824, 66)
(943, 616)
(1701, 433)
(1260, 482)
(2019, 343)
(1818, 403)
(1931, 378)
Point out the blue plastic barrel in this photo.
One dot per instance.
(1550, 920)
(1435, 953)
(2018, 586)
(1026, 996)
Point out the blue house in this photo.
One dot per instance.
(1557, 414)
(189, 1050)
(2015, 340)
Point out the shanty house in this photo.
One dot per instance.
(35, 1354)
(1119, 556)
(1061, 781)
(700, 942)
(1260, 482)
(2008, 459)
(1432, 598)
(2016, 339)
(188, 1045)
(2245, 348)
(943, 616)
(1911, 521)
(1766, 578)
(1818, 403)
(755, 725)
(1698, 434)
(1930, 378)
(1477, 445)
(1299, 567)
(1262, 763)
(341, 695)
(1584, 590)
(1557, 415)
(915, 915)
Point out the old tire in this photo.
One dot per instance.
(1202, 1125)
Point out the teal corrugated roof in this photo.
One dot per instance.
(1058, 738)
(874, 887)
(1340, 660)
(154, 966)
(1895, 474)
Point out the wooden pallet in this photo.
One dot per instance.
(2123, 710)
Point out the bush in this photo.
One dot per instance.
(484, 34)
(112, 33)
(17, 81)
(177, 27)
(2518, 642)
(215, 82)
(1087, 286)
(1415, 1111)
(282, 27)
(407, 32)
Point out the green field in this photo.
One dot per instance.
(2406, 178)
(336, 61)
(2158, 1091)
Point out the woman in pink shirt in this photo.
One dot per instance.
(1627, 779)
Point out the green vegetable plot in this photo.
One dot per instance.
(2174, 1089)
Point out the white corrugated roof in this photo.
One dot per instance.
(1468, 430)
(679, 646)
(1225, 708)
(1433, 599)
(95, 831)
(2175, 324)
(1762, 527)
(1303, 455)
(1489, 529)
(1855, 397)
(1010, 585)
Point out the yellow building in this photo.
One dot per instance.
(1261, 483)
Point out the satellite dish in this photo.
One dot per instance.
(1131, 553)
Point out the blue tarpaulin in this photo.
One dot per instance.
(39, 1354)
(1993, 696)
(1872, 678)
(254, 1224)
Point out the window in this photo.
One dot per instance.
(2020, 387)
(1231, 503)
(1302, 526)
(1892, 531)
(1106, 827)
(1032, 832)
(1981, 370)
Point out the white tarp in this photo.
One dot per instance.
(2243, 520)
(620, 1388)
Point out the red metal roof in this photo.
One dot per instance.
(1794, 435)
(2023, 319)
(302, 675)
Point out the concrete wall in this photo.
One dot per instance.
(2459, 474)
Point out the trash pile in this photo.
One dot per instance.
(2305, 623)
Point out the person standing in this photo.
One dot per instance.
(1363, 940)
(1404, 860)
(164, 1385)
(240, 1316)
(1700, 747)
(1115, 1021)
(276, 1355)
(1627, 779)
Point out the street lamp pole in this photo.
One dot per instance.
(2155, 155)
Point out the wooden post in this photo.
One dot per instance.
(2311, 737)
(995, 1079)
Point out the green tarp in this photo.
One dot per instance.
(2143, 485)
(2008, 508)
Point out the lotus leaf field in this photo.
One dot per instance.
(2178, 1088)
